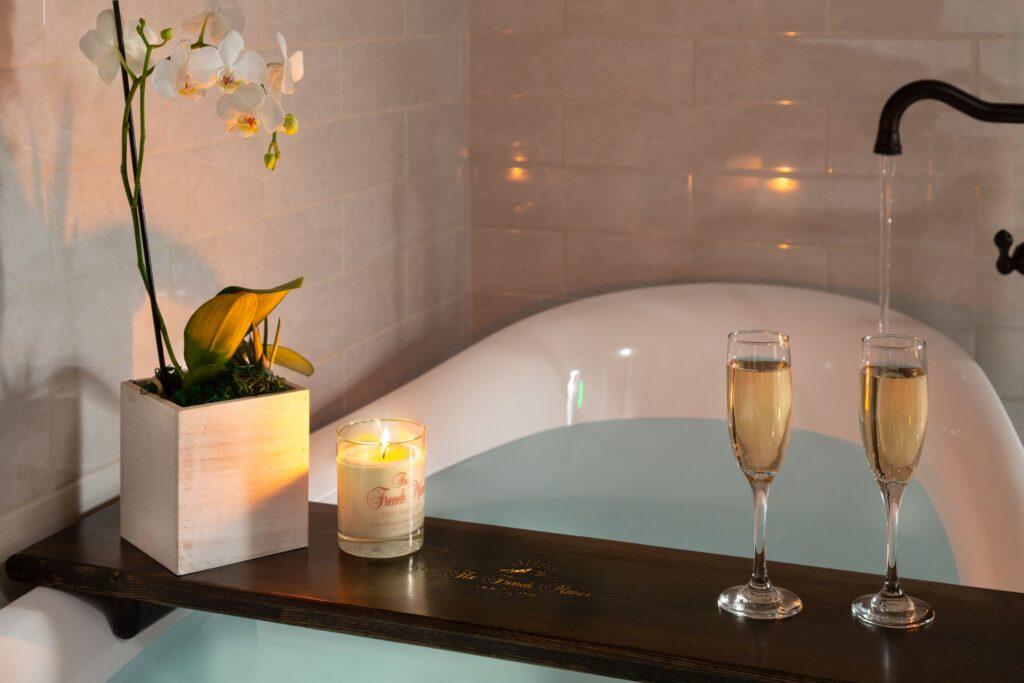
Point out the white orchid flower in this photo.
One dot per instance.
(99, 45)
(186, 72)
(234, 64)
(283, 76)
(219, 16)
(249, 110)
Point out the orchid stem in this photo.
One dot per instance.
(200, 41)
(134, 195)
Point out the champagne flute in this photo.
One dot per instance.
(893, 417)
(760, 402)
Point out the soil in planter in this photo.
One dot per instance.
(237, 381)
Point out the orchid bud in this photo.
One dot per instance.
(270, 161)
(167, 34)
(291, 124)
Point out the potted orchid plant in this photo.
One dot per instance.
(215, 451)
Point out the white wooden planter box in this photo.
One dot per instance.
(214, 484)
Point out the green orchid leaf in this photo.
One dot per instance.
(290, 359)
(268, 298)
(200, 373)
(215, 330)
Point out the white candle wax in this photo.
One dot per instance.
(379, 497)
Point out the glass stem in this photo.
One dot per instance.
(759, 578)
(892, 494)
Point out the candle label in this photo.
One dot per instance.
(381, 502)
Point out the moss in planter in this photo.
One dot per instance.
(237, 381)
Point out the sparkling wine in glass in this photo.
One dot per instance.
(893, 418)
(759, 402)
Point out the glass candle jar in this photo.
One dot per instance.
(381, 480)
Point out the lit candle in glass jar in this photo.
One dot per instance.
(381, 480)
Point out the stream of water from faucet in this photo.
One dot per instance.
(888, 169)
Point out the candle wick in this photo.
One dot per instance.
(384, 450)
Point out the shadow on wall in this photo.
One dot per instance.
(72, 312)
(424, 295)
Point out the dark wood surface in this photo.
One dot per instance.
(613, 608)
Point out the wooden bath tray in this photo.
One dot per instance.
(604, 607)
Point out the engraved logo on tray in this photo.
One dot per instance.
(526, 578)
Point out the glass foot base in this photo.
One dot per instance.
(381, 550)
(889, 611)
(752, 603)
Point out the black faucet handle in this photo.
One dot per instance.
(1006, 263)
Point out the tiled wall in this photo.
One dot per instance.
(617, 143)
(369, 202)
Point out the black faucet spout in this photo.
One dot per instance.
(888, 140)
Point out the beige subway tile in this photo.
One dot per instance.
(381, 219)
(1000, 65)
(823, 70)
(25, 226)
(998, 354)
(930, 214)
(66, 21)
(515, 130)
(602, 262)
(623, 68)
(62, 328)
(315, 319)
(85, 420)
(909, 17)
(1000, 207)
(199, 190)
(389, 74)
(326, 389)
(83, 429)
(490, 311)
(317, 96)
(62, 114)
(830, 210)
(521, 16)
(642, 135)
(434, 333)
(278, 249)
(374, 366)
(782, 138)
(686, 137)
(815, 209)
(937, 141)
(25, 468)
(522, 260)
(402, 351)
(434, 271)
(996, 299)
(80, 307)
(437, 136)
(435, 16)
(373, 298)
(23, 33)
(580, 198)
(327, 161)
(329, 21)
(693, 16)
(934, 287)
(175, 125)
(1015, 408)
(89, 222)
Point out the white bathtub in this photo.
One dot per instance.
(654, 352)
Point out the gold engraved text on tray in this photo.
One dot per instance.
(526, 578)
